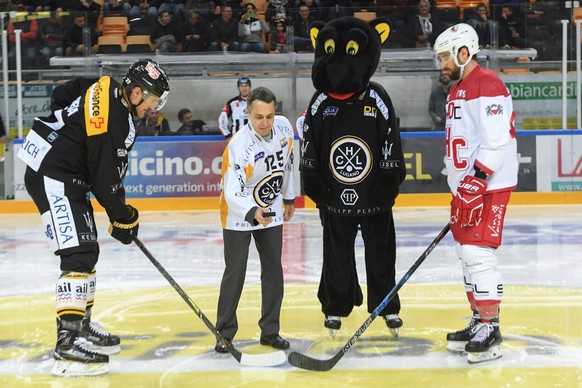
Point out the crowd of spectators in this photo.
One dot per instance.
(72, 27)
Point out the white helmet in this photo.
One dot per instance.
(453, 39)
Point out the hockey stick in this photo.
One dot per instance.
(305, 362)
(267, 359)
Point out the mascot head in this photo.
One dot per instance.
(347, 52)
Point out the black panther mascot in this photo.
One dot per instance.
(352, 165)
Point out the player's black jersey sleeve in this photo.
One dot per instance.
(66, 93)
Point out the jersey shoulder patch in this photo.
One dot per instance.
(96, 107)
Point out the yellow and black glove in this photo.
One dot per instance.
(125, 228)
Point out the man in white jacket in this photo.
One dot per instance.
(257, 195)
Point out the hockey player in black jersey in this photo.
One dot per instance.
(352, 165)
(80, 149)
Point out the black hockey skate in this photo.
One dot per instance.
(456, 341)
(484, 346)
(333, 323)
(100, 340)
(394, 324)
(73, 358)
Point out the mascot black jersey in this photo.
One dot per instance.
(76, 146)
(351, 143)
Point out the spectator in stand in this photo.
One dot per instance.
(141, 8)
(92, 10)
(251, 30)
(314, 9)
(420, 29)
(332, 9)
(153, 124)
(189, 126)
(116, 7)
(52, 34)
(175, 8)
(28, 41)
(166, 35)
(279, 37)
(73, 40)
(207, 10)
(438, 101)
(301, 39)
(482, 25)
(511, 30)
(224, 32)
(195, 33)
(7, 6)
(395, 10)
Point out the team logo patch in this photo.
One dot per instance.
(350, 160)
(267, 190)
(260, 155)
(370, 111)
(152, 71)
(494, 110)
(349, 197)
(330, 111)
(52, 137)
(283, 142)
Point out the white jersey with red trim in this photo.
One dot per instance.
(480, 131)
(257, 172)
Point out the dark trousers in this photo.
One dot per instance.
(339, 290)
(269, 243)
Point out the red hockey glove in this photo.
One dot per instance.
(125, 228)
(467, 205)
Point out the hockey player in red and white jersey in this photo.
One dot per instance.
(481, 161)
(234, 113)
(257, 196)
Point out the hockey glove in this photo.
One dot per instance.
(316, 189)
(124, 229)
(385, 190)
(467, 205)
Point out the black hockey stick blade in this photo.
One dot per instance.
(305, 362)
(266, 359)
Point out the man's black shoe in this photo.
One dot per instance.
(275, 341)
(220, 348)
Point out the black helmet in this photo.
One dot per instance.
(151, 78)
(244, 80)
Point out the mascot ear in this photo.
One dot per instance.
(384, 28)
(314, 29)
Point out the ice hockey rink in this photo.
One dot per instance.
(165, 344)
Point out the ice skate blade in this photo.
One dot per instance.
(332, 333)
(394, 332)
(109, 350)
(66, 368)
(456, 346)
(492, 354)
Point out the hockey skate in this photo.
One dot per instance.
(394, 324)
(99, 339)
(74, 359)
(484, 346)
(456, 341)
(333, 323)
